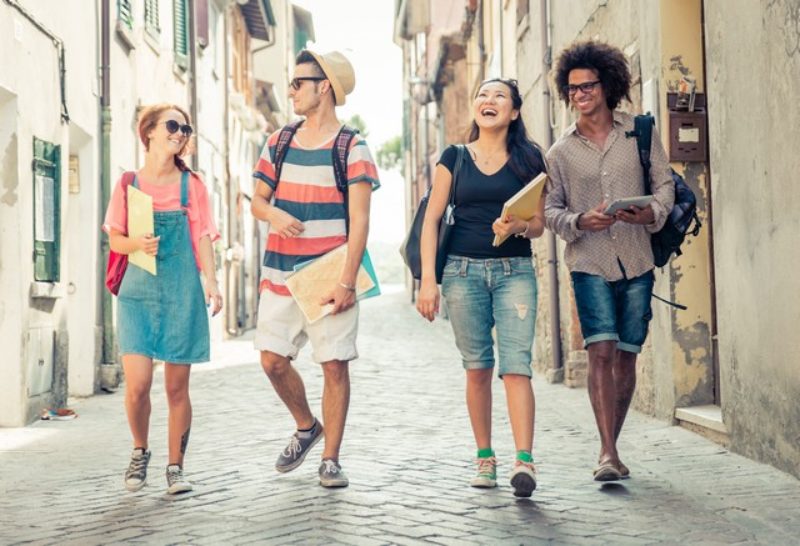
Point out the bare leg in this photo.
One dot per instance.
(603, 396)
(176, 380)
(479, 405)
(521, 409)
(289, 386)
(625, 384)
(138, 379)
(335, 402)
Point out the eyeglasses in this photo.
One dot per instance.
(585, 87)
(297, 82)
(173, 126)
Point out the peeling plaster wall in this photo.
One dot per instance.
(753, 74)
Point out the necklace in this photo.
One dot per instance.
(485, 161)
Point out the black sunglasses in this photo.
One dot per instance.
(173, 126)
(585, 87)
(297, 82)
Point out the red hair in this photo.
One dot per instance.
(148, 120)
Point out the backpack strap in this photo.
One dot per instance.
(461, 151)
(341, 153)
(282, 146)
(643, 131)
(128, 178)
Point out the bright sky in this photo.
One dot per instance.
(366, 40)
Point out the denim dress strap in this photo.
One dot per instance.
(185, 190)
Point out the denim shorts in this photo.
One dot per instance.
(481, 294)
(614, 311)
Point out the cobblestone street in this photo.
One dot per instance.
(407, 451)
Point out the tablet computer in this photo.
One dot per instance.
(625, 204)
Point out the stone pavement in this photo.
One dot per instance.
(407, 450)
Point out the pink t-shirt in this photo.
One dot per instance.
(166, 198)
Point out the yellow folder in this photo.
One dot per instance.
(524, 204)
(316, 280)
(140, 222)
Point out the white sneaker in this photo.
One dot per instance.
(176, 483)
(136, 475)
(486, 476)
(523, 478)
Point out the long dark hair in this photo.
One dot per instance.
(524, 155)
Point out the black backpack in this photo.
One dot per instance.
(340, 151)
(668, 240)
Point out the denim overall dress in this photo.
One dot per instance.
(164, 316)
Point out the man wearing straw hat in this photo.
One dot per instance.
(309, 215)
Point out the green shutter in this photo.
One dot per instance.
(151, 23)
(181, 34)
(124, 13)
(46, 210)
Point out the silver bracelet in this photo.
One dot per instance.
(348, 287)
(524, 233)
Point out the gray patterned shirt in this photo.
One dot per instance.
(582, 176)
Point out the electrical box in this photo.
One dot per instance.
(688, 130)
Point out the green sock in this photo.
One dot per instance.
(524, 456)
(485, 452)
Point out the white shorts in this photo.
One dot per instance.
(282, 329)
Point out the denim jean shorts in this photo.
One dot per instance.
(481, 294)
(614, 310)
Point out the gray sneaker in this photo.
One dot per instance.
(136, 475)
(176, 482)
(331, 475)
(294, 453)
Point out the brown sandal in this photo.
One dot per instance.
(607, 473)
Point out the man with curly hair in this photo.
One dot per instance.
(609, 257)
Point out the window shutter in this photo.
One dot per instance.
(181, 38)
(151, 17)
(125, 13)
(46, 210)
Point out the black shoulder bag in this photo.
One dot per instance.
(410, 250)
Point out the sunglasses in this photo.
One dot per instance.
(173, 126)
(585, 87)
(297, 82)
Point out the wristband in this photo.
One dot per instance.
(348, 287)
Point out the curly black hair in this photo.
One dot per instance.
(608, 61)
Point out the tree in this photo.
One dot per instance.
(390, 154)
(357, 122)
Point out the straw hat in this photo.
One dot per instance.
(339, 72)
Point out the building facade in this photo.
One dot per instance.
(716, 367)
(68, 132)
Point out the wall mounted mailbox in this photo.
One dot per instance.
(688, 130)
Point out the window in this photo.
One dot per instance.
(46, 210)
(180, 13)
(151, 18)
(125, 13)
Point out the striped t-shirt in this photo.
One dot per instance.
(307, 191)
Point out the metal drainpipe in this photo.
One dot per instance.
(109, 357)
(481, 43)
(229, 309)
(552, 246)
(193, 80)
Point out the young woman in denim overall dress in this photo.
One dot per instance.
(486, 286)
(164, 317)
